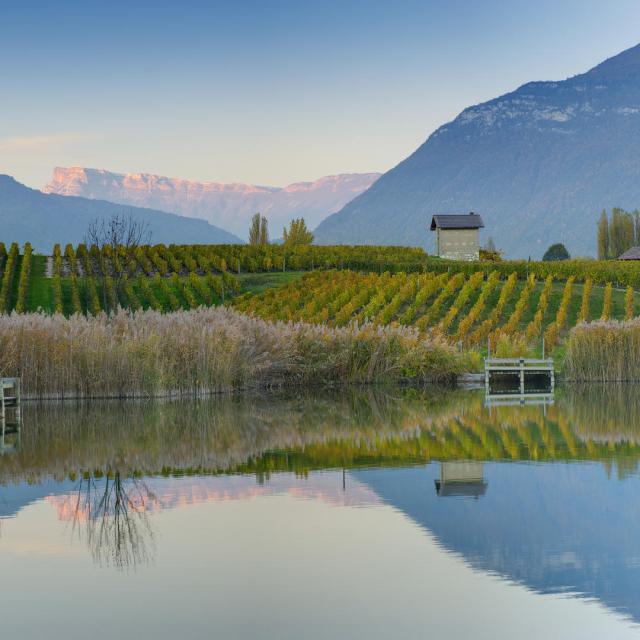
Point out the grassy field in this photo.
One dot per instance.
(258, 282)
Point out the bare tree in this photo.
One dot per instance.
(122, 233)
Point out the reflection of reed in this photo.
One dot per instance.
(609, 412)
(112, 518)
(214, 434)
(259, 434)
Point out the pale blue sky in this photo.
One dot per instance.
(271, 92)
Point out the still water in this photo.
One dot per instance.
(376, 514)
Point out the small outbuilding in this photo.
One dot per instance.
(631, 254)
(457, 235)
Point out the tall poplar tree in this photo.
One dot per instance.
(628, 231)
(259, 230)
(264, 231)
(616, 237)
(603, 236)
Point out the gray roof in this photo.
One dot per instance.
(631, 254)
(457, 221)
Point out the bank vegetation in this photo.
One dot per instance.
(207, 350)
(604, 351)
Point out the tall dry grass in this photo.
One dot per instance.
(606, 350)
(146, 353)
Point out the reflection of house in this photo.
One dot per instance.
(461, 479)
(457, 236)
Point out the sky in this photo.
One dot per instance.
(276, 91)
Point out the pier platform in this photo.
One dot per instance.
(521, 368)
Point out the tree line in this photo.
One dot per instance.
(296, 235)
(617, 233)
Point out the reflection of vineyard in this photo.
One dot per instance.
(255, 434)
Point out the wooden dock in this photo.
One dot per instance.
(520, 367)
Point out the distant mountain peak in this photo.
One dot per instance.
(228, 205)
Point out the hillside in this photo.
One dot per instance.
(227, 205)
(539, 163)
(28, 215)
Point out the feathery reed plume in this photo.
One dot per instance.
(147, 353)
(604, 351)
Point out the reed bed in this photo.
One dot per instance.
(207, 350)
(604, 351)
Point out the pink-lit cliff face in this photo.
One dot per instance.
(227, 205)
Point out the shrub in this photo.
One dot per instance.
(628, 303)
(556, 252)
(23, 282)
(606, 305)
(7, 278)
(76, 305)
(583, 315)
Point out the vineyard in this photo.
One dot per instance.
(467, 309)
(168, 278)
(82, 280)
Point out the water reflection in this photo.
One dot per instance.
(262, 435)
(112, 518)
(461, 479)
(543, 496)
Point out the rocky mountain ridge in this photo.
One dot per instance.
(227, 205)
(45, 219)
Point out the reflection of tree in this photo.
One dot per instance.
(114, 516)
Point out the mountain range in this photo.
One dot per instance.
(45, 219)
(539, 164)
(230, 206)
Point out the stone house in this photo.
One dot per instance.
(457, 236)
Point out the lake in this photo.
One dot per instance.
(387, 513)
